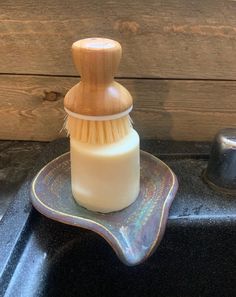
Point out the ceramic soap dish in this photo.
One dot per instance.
(133, 233)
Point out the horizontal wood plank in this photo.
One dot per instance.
(170, 39)
(31, 107)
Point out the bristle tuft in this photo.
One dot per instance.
(98, 132)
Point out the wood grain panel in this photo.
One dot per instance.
(31, 107)
(170, 39)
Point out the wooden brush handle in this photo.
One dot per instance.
(96, 59)
(97, 94)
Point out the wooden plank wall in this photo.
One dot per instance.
(179, 63)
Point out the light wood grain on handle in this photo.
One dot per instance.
(96, 59)
(97, 94)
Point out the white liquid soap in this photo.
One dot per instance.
(106, 177)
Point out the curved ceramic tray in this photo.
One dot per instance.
(134, 232)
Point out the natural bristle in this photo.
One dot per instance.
(98, 132)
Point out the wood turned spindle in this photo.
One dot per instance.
(97, 94)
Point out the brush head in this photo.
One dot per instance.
(98, 132)
(97, 94)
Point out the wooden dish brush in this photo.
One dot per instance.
(97, 107)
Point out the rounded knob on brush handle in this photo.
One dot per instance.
(96, 59)
(97, 94)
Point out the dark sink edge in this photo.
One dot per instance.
(17, 217)
(198, 220)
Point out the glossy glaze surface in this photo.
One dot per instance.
(134, 232)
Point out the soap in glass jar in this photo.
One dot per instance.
(106, 177)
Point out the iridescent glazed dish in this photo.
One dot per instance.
(133, 233)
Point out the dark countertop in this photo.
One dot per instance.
(16, 159)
